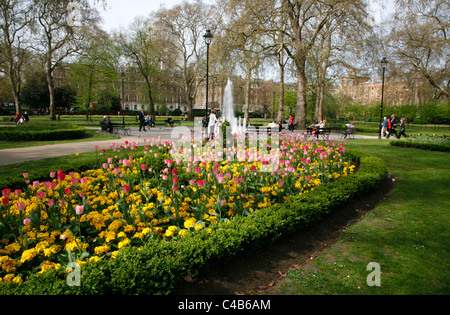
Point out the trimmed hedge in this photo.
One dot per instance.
(157, 267)
(50, 133)
(420, 145)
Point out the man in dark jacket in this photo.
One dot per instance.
(402, 129)
(142, 120)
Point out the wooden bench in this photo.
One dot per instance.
(114, 128)
(317, 133)
(123, 127)
(174, 122)
(349, 132)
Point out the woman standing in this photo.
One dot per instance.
(213, 123)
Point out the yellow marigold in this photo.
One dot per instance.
(115, 225)
(189, 223)
(198, 226)
(28, 254)
(101, 250)
(124, 243)
(47, 265)
(146, 230)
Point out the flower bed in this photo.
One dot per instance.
(158, 219)
(424, 142)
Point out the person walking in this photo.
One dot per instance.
(385, 126)
(402, 129)
(291, 123)
(393, 124)
(142, 120)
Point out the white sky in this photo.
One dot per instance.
(120, 13)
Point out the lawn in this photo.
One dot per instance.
(407, 235)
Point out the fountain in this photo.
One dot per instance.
(237, 126)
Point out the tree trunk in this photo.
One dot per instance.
(319, 100)
(280, 115)
(51, 90)
(248, 89)
(300, 108)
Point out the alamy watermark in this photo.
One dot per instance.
(374, 278)
(252, 145)
(74, 15)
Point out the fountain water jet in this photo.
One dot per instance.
(228, 111)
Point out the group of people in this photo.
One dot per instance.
(21, 119)
(389, 127)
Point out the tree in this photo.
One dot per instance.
(56, 39)
(138, 46)
(306, 20)
(95, 71)
(15, 23)
(183, 27)
(336, 43)
(419, 38)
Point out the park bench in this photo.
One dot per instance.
(349, 132)
(123, 127)
(115, 128)
(317, 133)
(174, 122)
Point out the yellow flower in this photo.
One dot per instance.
(189, 223)
(28, 254)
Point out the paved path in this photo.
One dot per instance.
(18, 155)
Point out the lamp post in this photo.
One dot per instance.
(122, 76)
(208, 38)
(384, 63)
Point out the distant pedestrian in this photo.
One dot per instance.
(392, 124)
(385, 127)
(402, 129)
(142, 120)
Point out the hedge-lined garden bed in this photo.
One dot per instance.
(157, 266)
(420, 145)
(42, 132)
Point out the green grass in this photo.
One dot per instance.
(408, 234)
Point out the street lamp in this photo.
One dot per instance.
(208, 38)
(122, 76)
(384, 63)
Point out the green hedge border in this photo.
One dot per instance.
(15, 134)
(420, 145)
(158, 266)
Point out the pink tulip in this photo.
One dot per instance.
(143, 167)
(52, 174)
(6, 192)
(25, 175)
(75, 181)
(21, 205)
(40, 194)
(26, 221)
(175, 180)
(192, 182)
(83, 181)
(18, 192)
(79, 209)
(51, 203)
